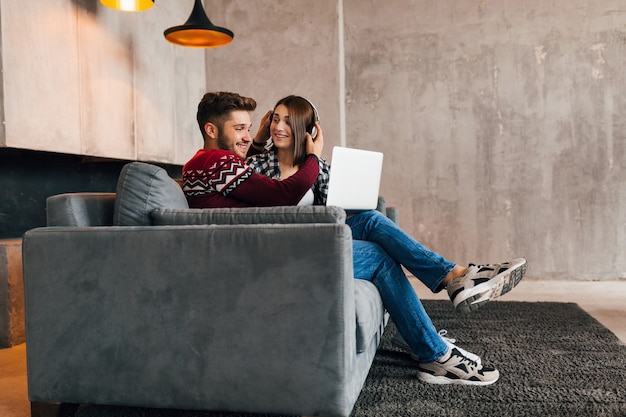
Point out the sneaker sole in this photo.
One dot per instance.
(492, 289)
(442, 380)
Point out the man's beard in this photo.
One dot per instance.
(222, 143)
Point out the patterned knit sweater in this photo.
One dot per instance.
(218, 178)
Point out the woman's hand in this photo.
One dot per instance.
(263, 134)
(315, 146)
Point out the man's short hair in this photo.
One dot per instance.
(215, 108)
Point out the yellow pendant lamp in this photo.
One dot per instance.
(198, 31)
(128, 5)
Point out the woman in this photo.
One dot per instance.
(286, 149)
(381, 248)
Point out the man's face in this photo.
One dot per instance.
(235, 134)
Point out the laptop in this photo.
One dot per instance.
(354, 180)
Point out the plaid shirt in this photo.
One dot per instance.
(266, 164)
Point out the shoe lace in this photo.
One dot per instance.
(443, 333)
(481, 266)
(464, 358)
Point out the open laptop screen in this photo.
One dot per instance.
(354, 178)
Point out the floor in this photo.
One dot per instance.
(606, 301)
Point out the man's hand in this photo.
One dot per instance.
(315, 146)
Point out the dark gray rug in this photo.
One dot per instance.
(554, 360)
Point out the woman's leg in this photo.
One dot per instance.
(372, 263)
(427, 266)
(478, 284)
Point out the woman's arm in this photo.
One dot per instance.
(261, 137)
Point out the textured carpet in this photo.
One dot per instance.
(554, 360)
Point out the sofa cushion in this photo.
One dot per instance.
(370, 313)
(249, 215)
(142, 188)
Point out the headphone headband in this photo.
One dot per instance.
(311, 129)
(315, 113)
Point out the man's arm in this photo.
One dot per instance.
(259, 190)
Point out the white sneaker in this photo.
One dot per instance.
(483, 283)
(457, 369)
(399, 342)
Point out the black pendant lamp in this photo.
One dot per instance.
(198, 31)
(128, 5)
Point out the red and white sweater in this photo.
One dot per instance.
(218, 178)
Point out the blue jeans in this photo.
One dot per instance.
(380, 249)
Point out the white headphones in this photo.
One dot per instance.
(311, 128)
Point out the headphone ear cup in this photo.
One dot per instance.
(313, 132)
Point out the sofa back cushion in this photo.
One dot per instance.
(249, 215)
(142, 188)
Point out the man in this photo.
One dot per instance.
(217, 176)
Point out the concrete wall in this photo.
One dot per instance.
(280, 48)
(502, 122)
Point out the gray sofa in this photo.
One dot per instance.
(134, 299)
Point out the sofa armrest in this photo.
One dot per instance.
(249, 215)
(394, 214)
(204, 317)
(391, 212)
(80, 209)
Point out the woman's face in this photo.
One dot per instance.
(280, 129)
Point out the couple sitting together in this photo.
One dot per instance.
(233, 170)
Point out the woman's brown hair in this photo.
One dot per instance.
(301, 116)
